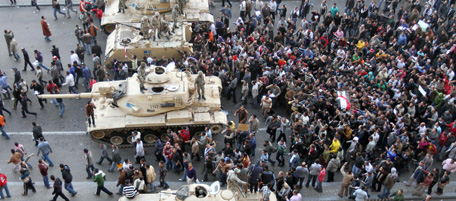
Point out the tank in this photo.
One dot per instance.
(129, 39)
(168, 101)
(194, 10)
(200, 192)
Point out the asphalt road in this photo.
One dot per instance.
(66, 135)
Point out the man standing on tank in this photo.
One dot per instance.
(199, 83)
(142, 76)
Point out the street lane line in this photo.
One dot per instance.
(51, 133)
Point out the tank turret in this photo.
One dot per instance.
(167, 101)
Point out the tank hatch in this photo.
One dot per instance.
(157, 76)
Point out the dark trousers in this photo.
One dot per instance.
(25, 110)
(29, 185)
(253, 187)
(197, 156)
(330, 176)
(301, 180)
(26, 63)
(102, 159)
(4, 109)
(280, 158)
(282, 135)
(311, 177)
(40, 101)
(57, 194)
(91, 116)
(272, 133)
(102, 188)
(227, 1)
(429, 191)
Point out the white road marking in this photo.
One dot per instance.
(51, 133)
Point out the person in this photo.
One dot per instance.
(27, 179)
(69, 7)
(4, 186)
(46, 31)
(39, 58)
(8, 35)
(2, 127)
(129, 191)
(266, 105)
(142, 76)
(360, 194)
(67, 179)
(162, 175)
(24, 109)
(56, 7)
(69, 80)
(15, 159)
(14, 49)
(38, 90)
(86, 77)
(5, 86)
(104, 154)
(37, 133)
(150, 177)
(89, 166)
(321, 178)
(45, 148)
(388, 183)
(99, 178)
(26, 60)
(295, 197)
(116, 159)
(199, 84)
(58, 189)
(398, 195)
(428, 177)
(139, 151)
(43, 166)
(347, 177)
(266, 190)
(90, 113)
(242, 114)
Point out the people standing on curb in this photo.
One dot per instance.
(67, 179)
(46, 149)
(58, 189)
(43, 166)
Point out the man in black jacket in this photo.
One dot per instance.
(58, 189)
(37, 133)
(67, 178)
(38, 88)
(26, 60)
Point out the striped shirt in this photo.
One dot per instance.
(129, 191)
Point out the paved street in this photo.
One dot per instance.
(67, 135)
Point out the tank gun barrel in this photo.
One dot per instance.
(80, 95)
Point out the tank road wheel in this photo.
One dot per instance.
(216, 129)
(109, 28)
(149, 138)
(116, 139)
(164, 137)
(129, 138)
(98, 134)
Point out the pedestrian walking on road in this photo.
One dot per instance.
(26, 60)
(22, 150)
(8, 35)
(121, 180)
(15, 159)
(58, 189)
(24, 100)
(2, 127)
(46, 149)
(27, 179)
(4, 185)
(104, 154)
(99, 178)
(116, 159)
(2, 107)
(43, 166)
(67, 179)
(89, 166)
(38, 90)
(37, 133)
(56, 7)
(39, 58)
(69, 6)
(162, 175)
(69, 80)
(46, 31)
(14, 49)
(5, 86)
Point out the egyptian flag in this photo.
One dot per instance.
(343, 101)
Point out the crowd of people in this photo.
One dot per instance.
(395, 65)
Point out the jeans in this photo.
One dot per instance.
(72, 90)
(91, 120)
(164, 183)
(113, 165)
(6, 189)
(313, 178)
(45, 157)
(72, 9)
(4, 132)
(319, 187)
(7, 94)
(46, 181)
(88, 168)
(69, 188)
(184, 175)
(102, 188)
(86, 83)
(62, 108)
(57, 10)
(385, 192)
(300, 181)
(43, 66)
(86, 47)
(355, 170)
(121, 188)
(16, 56)
(55, 102)
(168, 164)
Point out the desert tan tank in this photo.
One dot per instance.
(194, 10)
(168, 101)
(200, 192)
(129, 39)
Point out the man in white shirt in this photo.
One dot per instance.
(139, 151)
(69, 80)
(74, 57)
